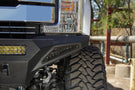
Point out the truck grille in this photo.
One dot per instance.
(17, 30)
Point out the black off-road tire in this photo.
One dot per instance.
(86, 71)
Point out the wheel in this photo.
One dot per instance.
(86, 71)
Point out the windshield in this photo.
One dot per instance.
(28, 11)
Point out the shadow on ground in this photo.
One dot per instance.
(111, 87)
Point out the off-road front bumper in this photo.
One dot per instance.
(19, 69)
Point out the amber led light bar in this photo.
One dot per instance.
(12, 50)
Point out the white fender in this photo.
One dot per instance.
(86, 17)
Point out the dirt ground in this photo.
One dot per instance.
(117, 83)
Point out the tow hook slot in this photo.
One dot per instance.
(4, 69)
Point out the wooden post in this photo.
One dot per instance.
(108, 37)
(130, 28)
(132, 75)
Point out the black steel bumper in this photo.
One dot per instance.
(40, 51)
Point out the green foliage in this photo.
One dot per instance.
(115, 3)
(118, 19)
(121, 20)
(100, 26)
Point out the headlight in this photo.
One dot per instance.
(68, 18)
(17, 50)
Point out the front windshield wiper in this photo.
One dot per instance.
(14, 3)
